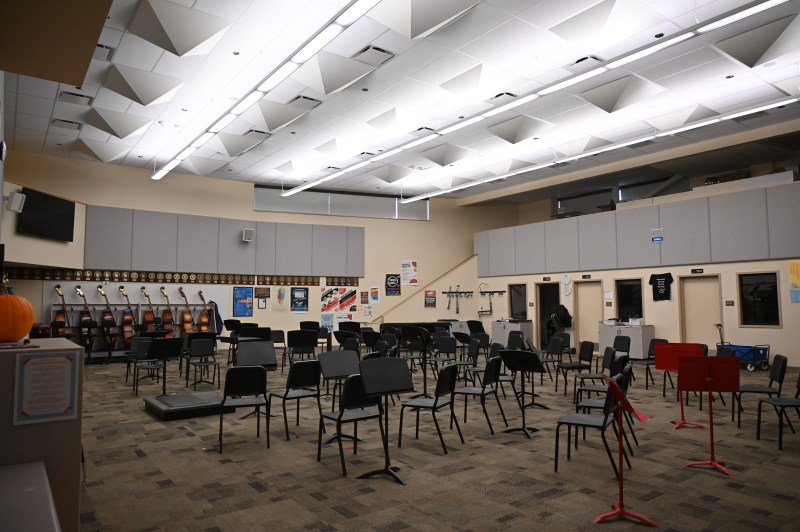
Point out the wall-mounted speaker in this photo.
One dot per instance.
(248, 234)
(15, 202)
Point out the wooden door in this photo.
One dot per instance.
(701, 309)
(588, 311)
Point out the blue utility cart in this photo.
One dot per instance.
(752, 357)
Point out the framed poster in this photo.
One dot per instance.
(242, 301)
(408, 273)
(392, 284)
(46, 387)
(298, 301)
(430, 298)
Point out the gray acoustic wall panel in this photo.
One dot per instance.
(597, 238)
(418, 210)
(328, 250)
(309, 202)
(501, 252)
(293, 245)
(198, 243)
(561, 245)
(109, 232)
(686, 232)
(529, 244)
(783, 215)
(155, 241)
(235, 255)
(265, 248)
(355, 251)
(480, 247)
(366, 206)
(634, 247)
(739, 226)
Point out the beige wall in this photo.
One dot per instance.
(665, 315)
(439, 246)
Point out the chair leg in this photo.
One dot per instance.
(341, 447)
(285, 419)
(501, 407)
(319, 439)
(269, 415)
(608, 452)
(220, 428)
(400, 430)
(438, 430)
(555, 460)
(454, 418)
(486, 413)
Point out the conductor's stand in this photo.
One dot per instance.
(522, 362)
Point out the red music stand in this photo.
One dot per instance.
(623, 405)
(709, 374)
(667, 359)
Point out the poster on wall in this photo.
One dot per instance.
(794, 281)
(262, 292)
(430, 298)
(337, 299)
(392, 284)
(299, 299)
(364, 297)
(242, 301)
(367, 312)
(374, 295)
(262, 303)
(46, 387)
(331, 320)
(280, 303)
(408, 273)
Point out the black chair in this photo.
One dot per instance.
(337, 366)
(202, 359)
(566, 344)
(299, 343)
(608, 359)
(617, 365)
(258, 353)
(415, 344)
(484, 342)
(445, 351)
(599, 422)
(584, 363)
(144, 364)
(516, 341)
(350, 326)
(488, 387)
(553, 355)
(132, 354)
(301, 383)
(354, 406)
(780, 404)
(369, 337)
(245, 386)
(351, 344)
(776, 375)
(649, 362)
(278, 338)
(622, 345)
(341, 336)
(468, 364)
(442, 398)
(623, 380)
(475, 326)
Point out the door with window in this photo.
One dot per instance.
(588, 311)
(518, 299)
(701, 309)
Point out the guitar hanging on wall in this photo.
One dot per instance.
(204, 321)
(149, 315)
(85, 315)
(167, 318)
(187, 321)
(128, 319)
(61, 315)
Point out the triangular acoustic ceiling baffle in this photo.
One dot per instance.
(520, 128)
(102, 151)
(391, 173)
(446, 154)
(269, 116)
(621, 93)
(141, 86)
(230, 144)
(681, 117)
(120, 125)
(576, 147)
(419, 18)
(201, 165)
(762, 44)
(328, 73)
(177, 29)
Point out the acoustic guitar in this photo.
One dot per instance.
(85, 315)
(107, 320)
(203, 313)
(149, 315)
(128, 320)
(61, 315)
(187, 321)
(167, 319)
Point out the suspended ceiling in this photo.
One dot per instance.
(163, 72)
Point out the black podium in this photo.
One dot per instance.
(521, 362)
(384, 377)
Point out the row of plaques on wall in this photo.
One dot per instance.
(56, 274)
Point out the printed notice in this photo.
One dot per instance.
(46, 387)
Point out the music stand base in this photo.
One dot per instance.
(679, 423)
(526, 430)
(391, 471)
(620, 512)
(711, 463)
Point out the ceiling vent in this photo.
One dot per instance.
(585, 64)
(502, 98)
(103, 52)
(74, 97)
(423, 132)
(365, 155)
(304, 102)
(258, 132)
(66, 124)
(372, 55)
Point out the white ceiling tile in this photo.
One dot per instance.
(476, 22)
(34, 105)
(37, 87)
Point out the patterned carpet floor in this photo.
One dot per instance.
(147, 474)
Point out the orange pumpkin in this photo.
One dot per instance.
(16, 316)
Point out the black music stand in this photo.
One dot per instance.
(709, 374)
(521, 362)
(385, 376)
(164, 349)
(623, 405)
(337, 367)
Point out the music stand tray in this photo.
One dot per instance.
(709, 374)
(339, 367)
(385, 377)
(668, 356)
(521, 362)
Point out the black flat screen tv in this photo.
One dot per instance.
(46, 216)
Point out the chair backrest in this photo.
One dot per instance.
(137, 340)
(381, 348)
(309, 325)
(142, 349)
(341, 336)
(231, 325)
(258, 353)
(353, 395)
(778, 370)
(446, 383)
(351, 344)
(482, 337)
(618, 364)
(651, 349)
(265, 333)
(586, 351)
(565, 339)
(278, 336)
(608, 358)
(245, 380)
(201, 347)
(473, 349)
(555, 346)
(492, 372)
(338, 364)
(494, 349)
(350, 326)
(369, 337)
(304, 374)
(475, 326)
(625, 379)
(516, 341)
(446, 345)
(622, 343)
(302, 340)
(610, 403)
(461, 338)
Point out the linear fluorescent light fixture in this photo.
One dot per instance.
(279, 75)
(462, 124)
(222, 123)
(687, 128)
(320, 41)
(356, 11)
(759, 109)
(202, 139)
(510, 105)
(384, 155)
(417, 142)
(740, 15)
(572, 81)
(249, 101)
(650, 50)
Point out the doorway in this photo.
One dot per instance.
(547, 300)
(588, 311)
(518, 299)
(701, 309)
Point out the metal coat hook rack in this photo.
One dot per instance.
(456, 294)
(489, 294)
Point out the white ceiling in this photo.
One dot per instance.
(148, 104)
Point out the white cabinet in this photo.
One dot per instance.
(640, 336)
(500, 330)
